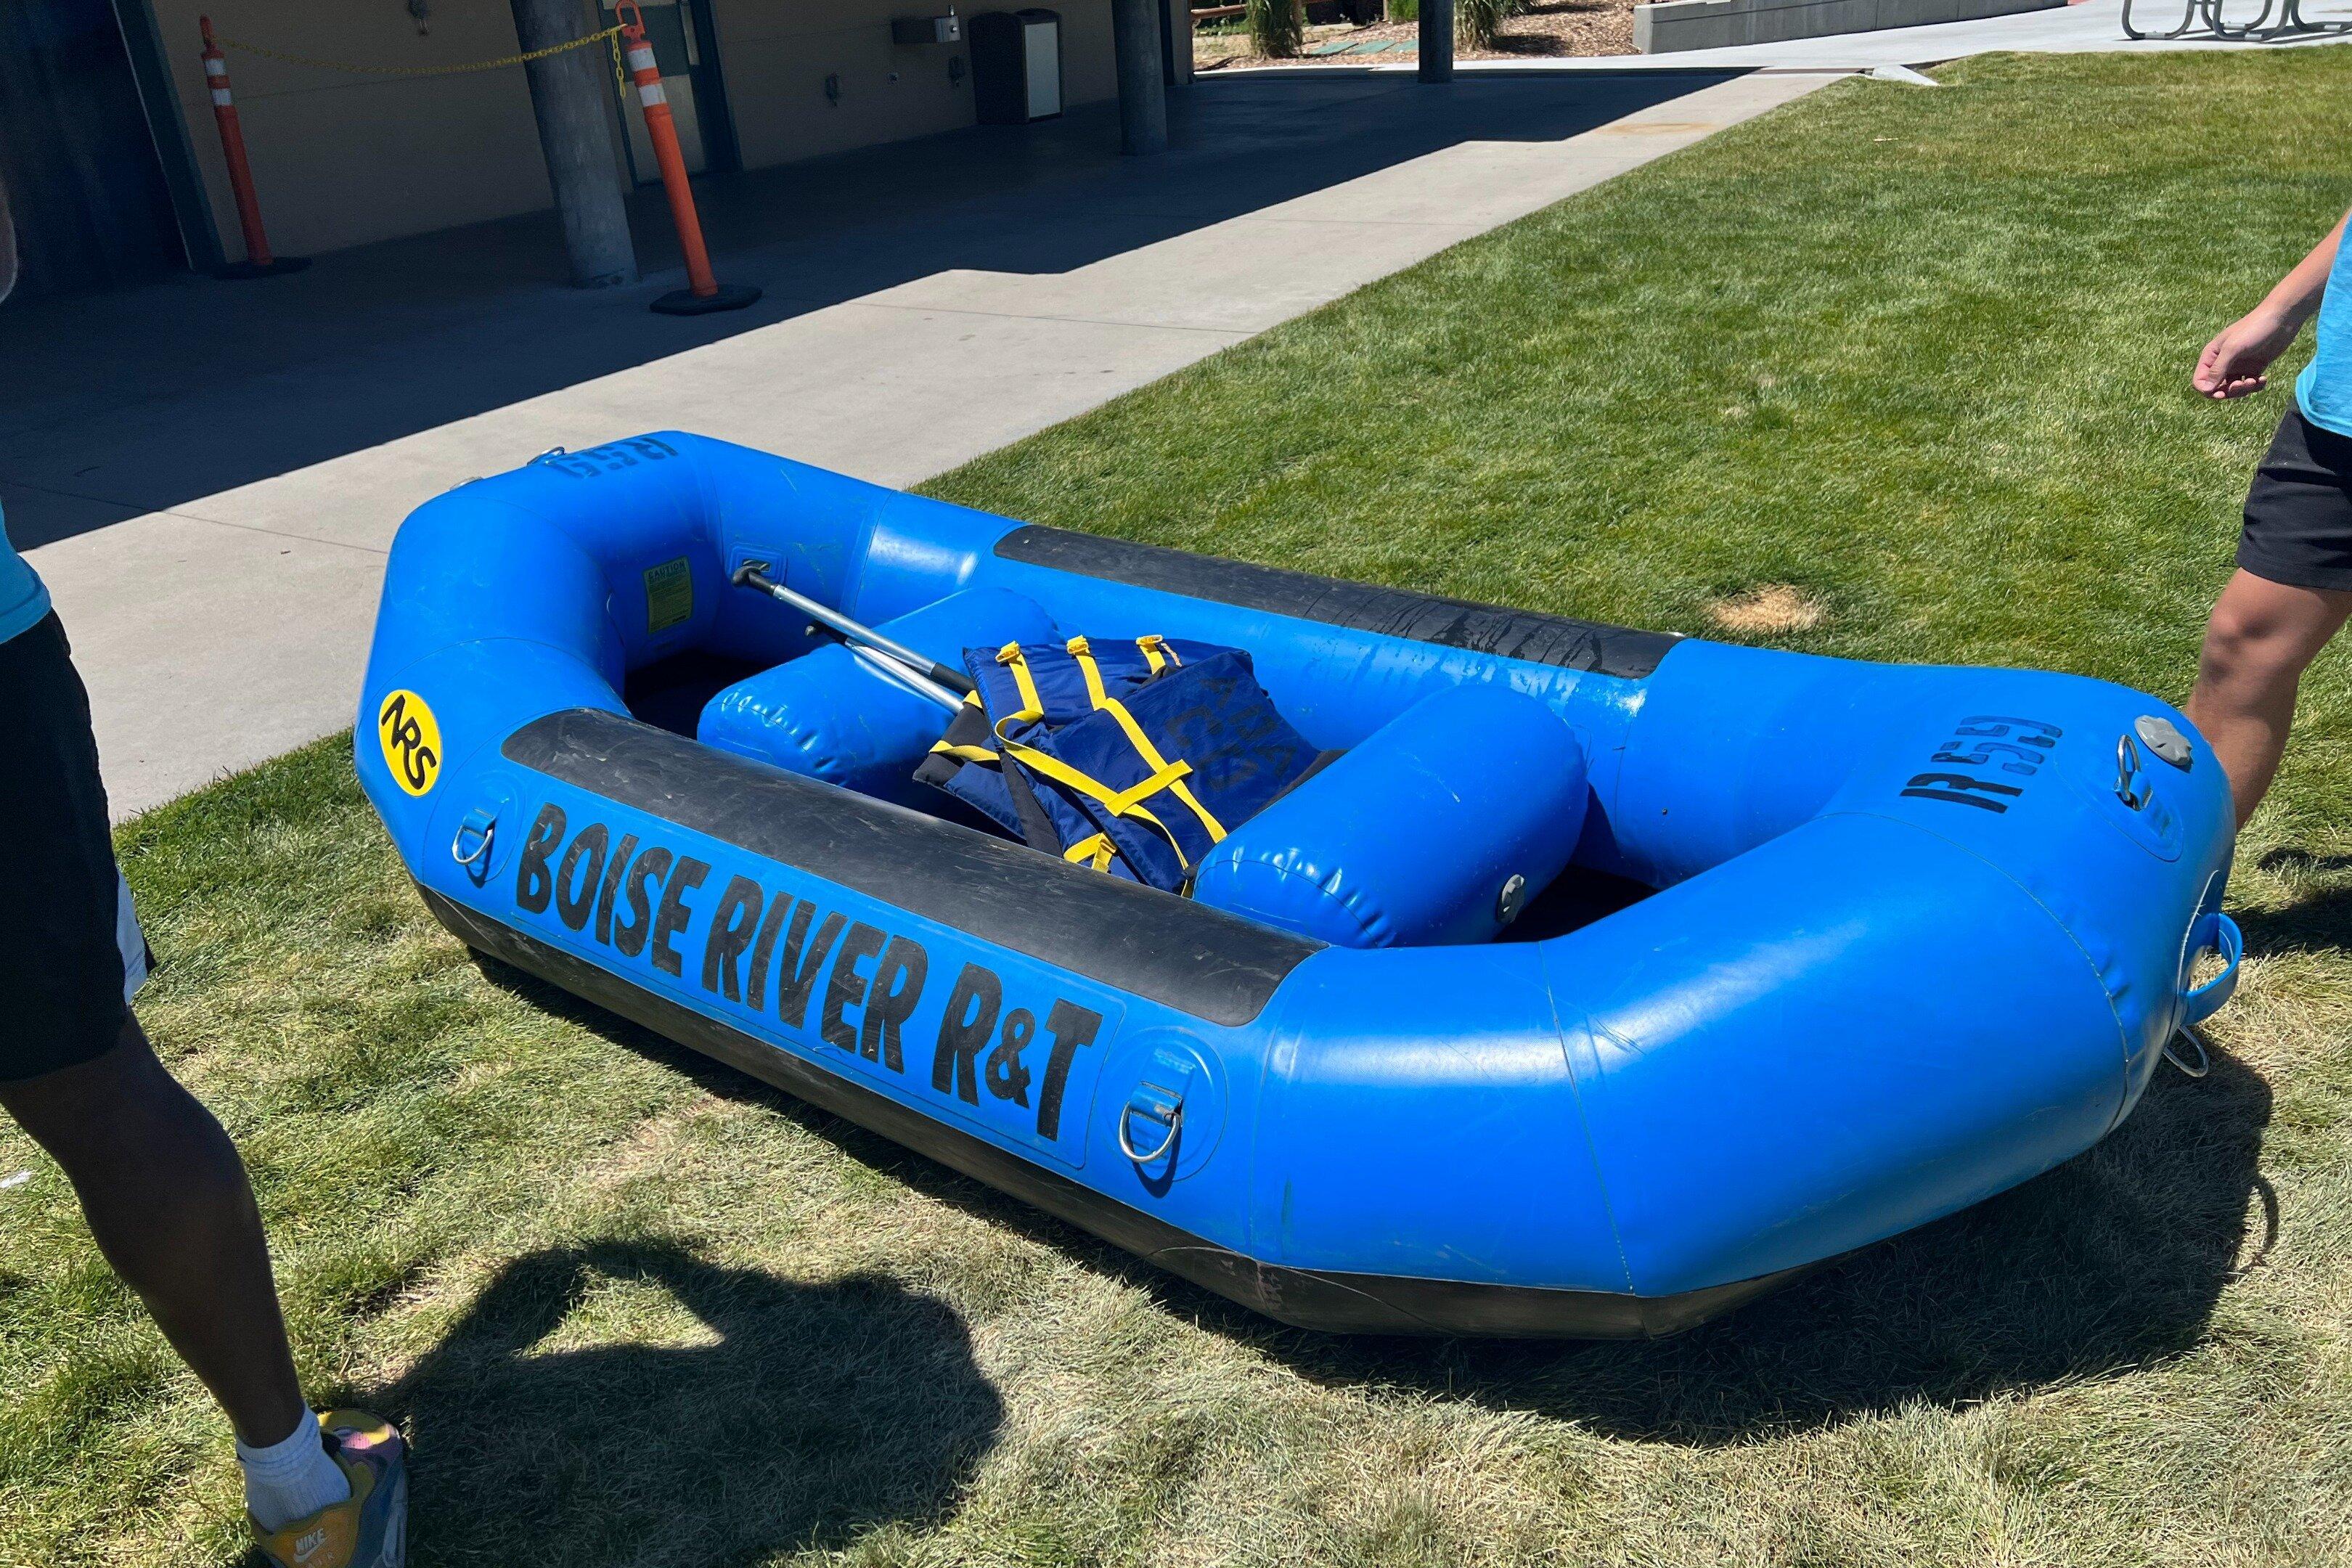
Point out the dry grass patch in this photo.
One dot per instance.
(1774, 609)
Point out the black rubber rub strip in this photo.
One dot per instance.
(1305, 1298)
(1391, 612)
(1169, 950)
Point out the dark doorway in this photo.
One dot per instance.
(685, 47)
(84, 185)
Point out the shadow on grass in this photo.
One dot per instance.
(2319, 923)
(819, 1412)
(2112, 1262)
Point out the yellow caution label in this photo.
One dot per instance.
(670, 596)
(411, 739)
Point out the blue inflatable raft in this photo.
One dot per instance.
(1607, 979)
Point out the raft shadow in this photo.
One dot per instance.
(2112, 1262)
(821, 1412)
(2321, 921)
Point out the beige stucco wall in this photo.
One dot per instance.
(341, 159)
(777, 55)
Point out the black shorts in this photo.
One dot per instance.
(70, 952)
(2299, 509)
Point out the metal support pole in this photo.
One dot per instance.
(572, 95)
(1142, 93)
(1437, 40)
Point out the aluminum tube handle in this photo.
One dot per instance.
(754, 574)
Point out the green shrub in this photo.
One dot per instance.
(1276, 28)
(1476, 22)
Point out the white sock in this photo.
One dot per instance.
(291, 1480)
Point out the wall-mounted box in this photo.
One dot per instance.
(916, 31)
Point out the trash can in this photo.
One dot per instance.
(1016, 66)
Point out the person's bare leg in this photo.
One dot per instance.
(168, 1199)
(2261, 638)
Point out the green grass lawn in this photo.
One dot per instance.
(1920, 356)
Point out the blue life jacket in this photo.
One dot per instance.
(1134, 759)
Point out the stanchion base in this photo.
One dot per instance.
(687, 302)
(238, 271)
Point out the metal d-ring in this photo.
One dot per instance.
(481, 853)
(1175, 1116)
(2204, 1057)
(2129, 789)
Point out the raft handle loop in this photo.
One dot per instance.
(2204, 1058)
(481, 825)
(2131, 787)
(1159, 1105)
(2220, 932)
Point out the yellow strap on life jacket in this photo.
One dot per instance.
(1160, 767)
(1032, 705)
(1157, 655)
(940, 748)
(1126, 802)
(1118, 802)
(1097, 851)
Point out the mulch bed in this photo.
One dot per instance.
(1550, 27)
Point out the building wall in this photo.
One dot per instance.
(777, 56)
(340, 159)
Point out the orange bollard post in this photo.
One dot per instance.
(704, 293)
(258, 262)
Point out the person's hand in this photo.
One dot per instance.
(2234, 362)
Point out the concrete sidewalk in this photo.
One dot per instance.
(2094, 27)
(210, 475)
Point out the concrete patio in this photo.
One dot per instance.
(209, 474)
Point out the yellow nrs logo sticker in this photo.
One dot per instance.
(410, 738)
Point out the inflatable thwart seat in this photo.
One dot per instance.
(1435, 829)
(1591, 982)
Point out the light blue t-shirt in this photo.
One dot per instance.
(2323, 390)
(22, 599)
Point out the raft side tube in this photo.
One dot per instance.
(2016, 767)
(1324, 1300)
(1843, 1033)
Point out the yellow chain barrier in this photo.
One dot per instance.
(613, 33)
